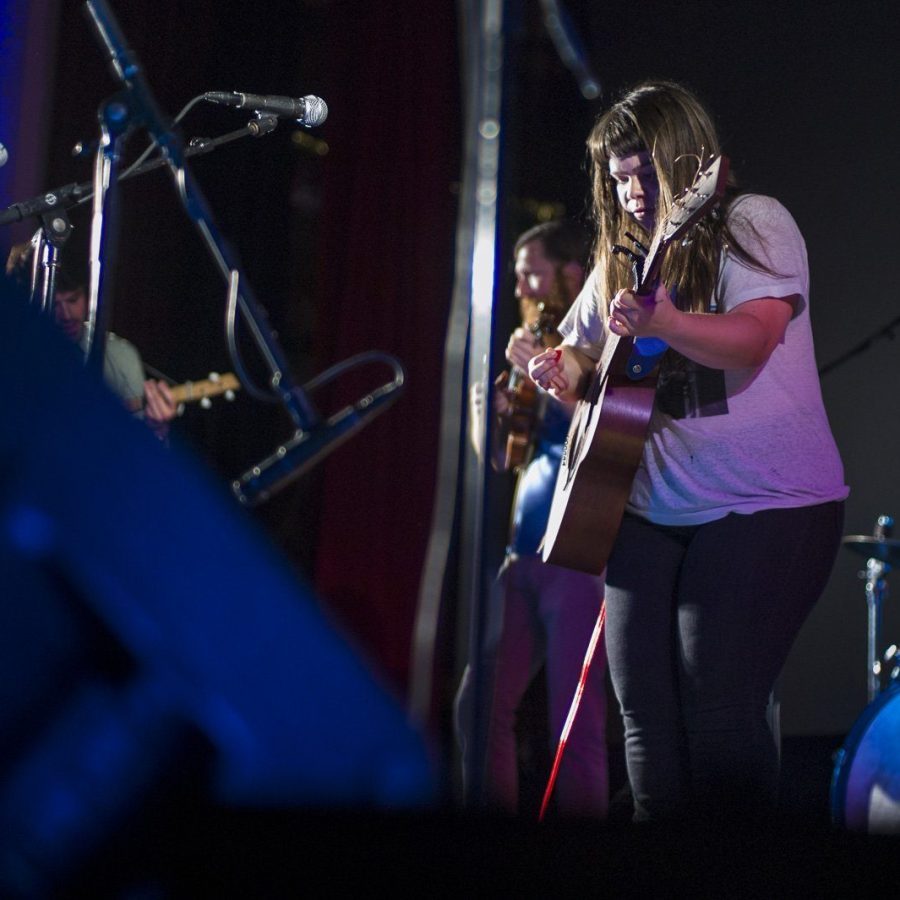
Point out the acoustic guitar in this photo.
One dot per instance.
(606, 438)
(519, 423)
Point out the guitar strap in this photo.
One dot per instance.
(573, 709)
(646, 352)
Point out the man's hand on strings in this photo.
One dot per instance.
(159, 407)
(523, 346)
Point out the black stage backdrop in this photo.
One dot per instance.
(353, 250)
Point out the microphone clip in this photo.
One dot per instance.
(262, 123)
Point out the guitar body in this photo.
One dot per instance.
(520, 421)
(601, 456)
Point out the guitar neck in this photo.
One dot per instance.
(652, 266)
(516, 377)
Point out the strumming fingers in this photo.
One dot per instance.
(549, 374)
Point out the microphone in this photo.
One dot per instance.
(308, 110)
(4, 156)
(61, 198)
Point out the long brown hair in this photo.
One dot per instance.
(668, 122)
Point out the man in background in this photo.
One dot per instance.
(540, 614)
(123, 369)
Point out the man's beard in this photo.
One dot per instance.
(545, 314)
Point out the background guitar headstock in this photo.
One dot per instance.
(202, 392)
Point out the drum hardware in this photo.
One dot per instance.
(882, 551)
(865, 782)
(892, 655)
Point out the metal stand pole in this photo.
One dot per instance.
(116, 118)
(876, 592)
(470, 326)
(46, 244)
(881, 551)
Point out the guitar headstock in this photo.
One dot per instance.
(201, 392)
(706, 190)
(542, 317)
(689, 207)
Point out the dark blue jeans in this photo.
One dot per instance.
(700, 620)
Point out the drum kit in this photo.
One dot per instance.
(865, 785)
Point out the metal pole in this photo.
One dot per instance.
(876, 591)
(467, 358)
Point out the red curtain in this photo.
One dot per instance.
(386, 267)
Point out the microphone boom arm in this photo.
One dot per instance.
(71, 195)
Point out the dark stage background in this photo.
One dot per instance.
(347, 234)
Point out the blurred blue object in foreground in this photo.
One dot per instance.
(149, 634)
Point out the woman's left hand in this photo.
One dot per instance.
(641, 315)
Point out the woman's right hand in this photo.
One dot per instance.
(560, 371)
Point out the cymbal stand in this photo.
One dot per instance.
(877, 568)
(117, 116)
(881, 552)
(876, 593)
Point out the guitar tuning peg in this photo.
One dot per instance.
(643, 249)
(229, 395)
(637, 262)
(627, 251)
(214, 376)
(205, 402)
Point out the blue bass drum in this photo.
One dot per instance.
(865, 785)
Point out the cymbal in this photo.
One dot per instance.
(869, 546)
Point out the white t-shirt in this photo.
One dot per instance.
(739, 440)
(123, 370)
